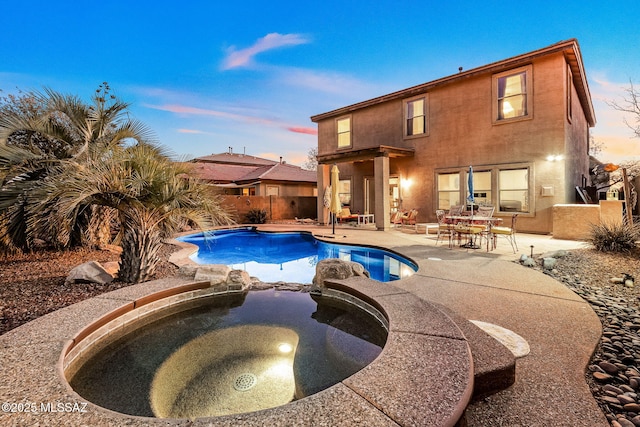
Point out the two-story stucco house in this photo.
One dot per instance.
(522, 123)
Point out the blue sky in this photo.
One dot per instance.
(207, 76)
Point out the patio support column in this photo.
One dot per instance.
(323, 181)
(381, 182)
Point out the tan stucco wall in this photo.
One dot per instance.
(573, 222)
(461, 133)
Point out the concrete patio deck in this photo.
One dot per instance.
(560, 328)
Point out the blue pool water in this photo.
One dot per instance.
(290, 257)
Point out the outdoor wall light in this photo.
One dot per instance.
(406, 183)
(554, 157)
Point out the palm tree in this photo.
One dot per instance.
(153, 197)
(40, 130)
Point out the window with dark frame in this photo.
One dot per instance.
(512, 96)
(344, 132)
(416, 117)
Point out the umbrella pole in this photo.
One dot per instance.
(333, 223)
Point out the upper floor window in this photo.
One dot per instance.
(344, 132)
(512, 94)
(416, 116)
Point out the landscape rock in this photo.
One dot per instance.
(561, 253)
(333, 268)
(91, 271)
(549, 263)
(216, 274)
(239, 280)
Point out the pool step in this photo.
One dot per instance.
(494, 365)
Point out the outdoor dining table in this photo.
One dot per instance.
(470, 220)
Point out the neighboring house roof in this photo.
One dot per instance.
(281, 172)
(235, 159)
(571, 51)
(220, 173)
(229, 168)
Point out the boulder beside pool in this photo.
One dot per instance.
(334, 268)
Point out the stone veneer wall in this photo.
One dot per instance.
(573, 222)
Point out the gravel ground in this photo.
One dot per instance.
(614, 372)
(32, 285)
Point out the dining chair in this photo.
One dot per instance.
(485, 211)
(471, 232)
(445, 228)
(481, 227)
(507, 232)
(456, 210)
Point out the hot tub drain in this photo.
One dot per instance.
(245, 382)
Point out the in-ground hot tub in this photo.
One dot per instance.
(230, 353)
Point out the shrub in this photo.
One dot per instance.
(257, 216)
(614, 237)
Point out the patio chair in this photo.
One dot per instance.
(507, 232)
(396, 218)
(485, 211)
(346, 215)
(410, 218)
(471, 232)
(477, 228)
(456, 210)
(445, 228)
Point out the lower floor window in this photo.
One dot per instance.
(448, 190)
(514, 190)
(508, 189)
(344, 192)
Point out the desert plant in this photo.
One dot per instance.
(41, 131)
(257, 216)
(615, 237)
(151, 196)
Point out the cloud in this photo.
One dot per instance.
(305, 130)
(237, 58)
(619, 142)
(195, 111)
(194, 131)
(328, 82)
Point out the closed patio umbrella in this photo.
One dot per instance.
(336, 207)
(471, 199)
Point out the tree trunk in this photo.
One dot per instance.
(141, 241)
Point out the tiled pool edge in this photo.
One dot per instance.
(405, 385)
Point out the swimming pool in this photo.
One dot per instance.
(290, 256)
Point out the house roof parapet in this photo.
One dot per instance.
(571, 51)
